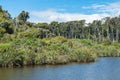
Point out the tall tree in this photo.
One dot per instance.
(23, 16)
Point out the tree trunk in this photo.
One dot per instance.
(117, 34)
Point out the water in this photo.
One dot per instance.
(104, 69)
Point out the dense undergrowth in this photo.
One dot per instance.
(56, 50)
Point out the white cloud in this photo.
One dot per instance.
(52, 15)
(112, 9)
(94, 6)
(100, 11)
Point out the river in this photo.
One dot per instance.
(103, 69)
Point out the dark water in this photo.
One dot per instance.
(104, 69)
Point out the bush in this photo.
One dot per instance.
(33, 32)
(107, 41)
(59, 39)
(86, 55)
(87, 42)
(107, 51)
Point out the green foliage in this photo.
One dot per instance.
(86, 54)
(33, 32)
(2, 31)
(28, 51)
(107, 51)
(107, 41)
(60, 39)
(41, 25)
(70, 44)
(86, 42)
(23, 16)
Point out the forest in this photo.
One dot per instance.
(24, 43)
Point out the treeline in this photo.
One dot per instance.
(97, 31)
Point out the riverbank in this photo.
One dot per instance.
(57, 50)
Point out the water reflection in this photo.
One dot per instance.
(104, 69)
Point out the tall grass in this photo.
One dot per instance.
(56, 50)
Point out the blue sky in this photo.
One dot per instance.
(63, 10)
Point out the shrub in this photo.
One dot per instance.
(59, 39)
(107, 41)
(86, 55)
(87, 42)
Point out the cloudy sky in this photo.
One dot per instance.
(63, 10)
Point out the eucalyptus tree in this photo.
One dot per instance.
(99, 30)
(107, 25)
(62, 29)
(80, 28)
(68, 31)
(94, 30)
(117, 24)
(112, 29)
(77, 30)
(54, 27)
(82, 24)
(88, 29)
(73, 27)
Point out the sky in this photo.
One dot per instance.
(63, 10)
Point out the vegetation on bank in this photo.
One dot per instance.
(57, 50)
(26, 43)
